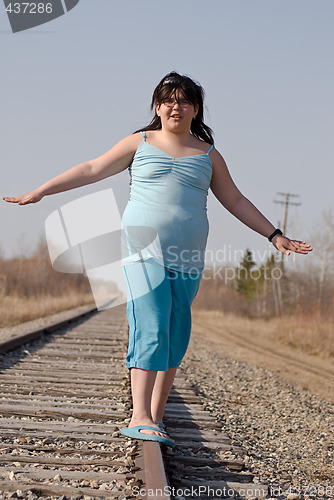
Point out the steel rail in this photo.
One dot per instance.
(18, 340)
(155, 483)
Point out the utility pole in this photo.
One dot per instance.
(287, 202)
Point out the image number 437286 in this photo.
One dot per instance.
(26, 15)
(29, 8)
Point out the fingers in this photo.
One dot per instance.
(286, 246)
(300, 246)
(10, 199)
(13, 199)
(283, 250)
(22, 200)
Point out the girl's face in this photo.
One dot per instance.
(176, 113)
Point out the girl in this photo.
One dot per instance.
(172, 164)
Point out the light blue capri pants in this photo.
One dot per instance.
(159, 315)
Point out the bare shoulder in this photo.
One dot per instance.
(217, 160)
(201, 145)
(131, 142)
(118, 158)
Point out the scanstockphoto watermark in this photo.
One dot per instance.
(223, 255)
(226, 253)
(199, 492)
(220, 267)
(230, 274)
(25, 15)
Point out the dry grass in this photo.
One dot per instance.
(15, 309)
(310, 334)
(30, 288)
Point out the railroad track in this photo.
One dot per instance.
(65, 395)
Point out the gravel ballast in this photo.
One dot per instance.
(288, 432)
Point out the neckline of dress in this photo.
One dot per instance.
(179, 157)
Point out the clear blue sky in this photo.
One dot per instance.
(75, 86)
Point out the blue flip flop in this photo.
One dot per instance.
(162, 426)
(134, 432)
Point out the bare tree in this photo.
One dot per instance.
(325, 251)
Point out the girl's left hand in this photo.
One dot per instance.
(285, 245)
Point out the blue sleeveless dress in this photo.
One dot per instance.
(164, 235)
(167, 208)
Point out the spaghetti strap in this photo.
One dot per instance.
(143, 133)
(209, 150)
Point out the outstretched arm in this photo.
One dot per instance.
(110, 163)
(235, 202)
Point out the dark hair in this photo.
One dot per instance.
(191, 91)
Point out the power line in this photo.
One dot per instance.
(287, 202)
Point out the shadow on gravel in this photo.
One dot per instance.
(204, 456)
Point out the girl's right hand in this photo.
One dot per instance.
(32, 197)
